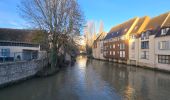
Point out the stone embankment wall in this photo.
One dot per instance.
(12, 72)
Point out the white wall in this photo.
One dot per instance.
(134, 53)
(161, 52)
(18, 50)
(151, 61)
(101, 47)
(97, 51)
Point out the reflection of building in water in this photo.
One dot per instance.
(153, 85)
(133, 83)
(116, 75)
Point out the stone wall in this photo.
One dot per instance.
(12, 72)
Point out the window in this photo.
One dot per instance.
(117, 32)
(164, 45)
(110, 46)
(122, 46)
(18, 44)
(164, 59)
(133, 45)
(110, 52)
(5, 52)
(113, 45)
(145, 45)
(145, 35)
(145, 55)
(164, 31)
(122, 54)
(113, 52)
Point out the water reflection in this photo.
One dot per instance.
(94, 80)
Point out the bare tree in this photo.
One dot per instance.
(90, 35)
(62, 19)
(101, 27)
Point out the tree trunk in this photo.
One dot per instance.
(53, 58)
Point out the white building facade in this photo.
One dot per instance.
(162, 53)
(98, 48)
(12, 51)
(147, 41)
(134, 40)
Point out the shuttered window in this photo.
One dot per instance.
(164, 45)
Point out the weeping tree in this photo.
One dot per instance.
(62, 19)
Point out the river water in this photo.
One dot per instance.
(94, 80)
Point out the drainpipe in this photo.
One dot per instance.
(154, 54)
(137, 63)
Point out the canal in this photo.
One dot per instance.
(93, 80)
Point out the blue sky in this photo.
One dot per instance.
(111, 12)
(9, 14)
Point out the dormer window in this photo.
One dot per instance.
(164, 31)
(145, 35)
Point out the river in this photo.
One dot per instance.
(93, 80)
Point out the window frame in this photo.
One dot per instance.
(145, 55)
(164, 59)
(164, 45)
(145, 45)
(5, 52)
